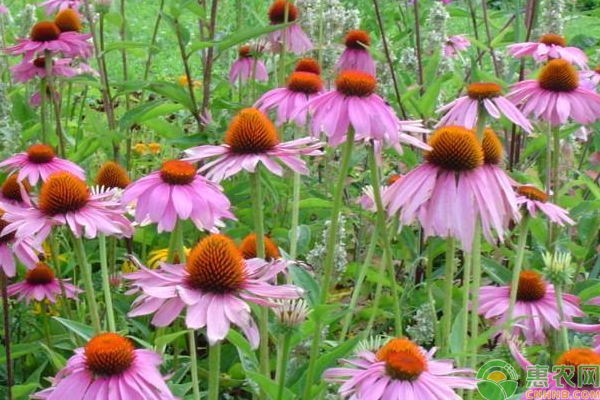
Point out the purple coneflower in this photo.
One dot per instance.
(248, 66)
(25, 249)
(251, 139)
(464, 111)
(38, 163)
(175, 192)
(536, 309)
(214, 285)
(455, 44)
(355, 104)
(295, 39)
(109, 367)
(590, 79)
(356, 55)
(65, 199)
(399, 370)
(41, 284)
(28, 69)
(534, 199)
(451, 189)
(556, 96)
(52, 6)
(549, 47)
(300, 88)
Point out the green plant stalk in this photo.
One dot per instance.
(7, 344)
(468, 263)
(259, 231)
(554, 228)
(46, 322)
(173, 243)
(376, 299)
(519, 257)
(194, 368)
(429, 283)
(110, 312)
(86, 272)
(282, 51)
(449, 284)
(329, 259)
(55, 103)
(295, 210)
(476, 254)
(214, 370)
(56, 263)
(382, 228)
(359, 282)
(286, 342)
(43, 112)
(549, 160)
(562, 333)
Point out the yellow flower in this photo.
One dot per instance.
(139, 148)
(127, 267)
(154, 148)
(183, 82)
(160, 255)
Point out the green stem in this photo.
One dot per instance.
(46, 320)
(7, 341)
(514, 285)
(110, 312)
(43, 111)
(563, 335)
(449, 284)
(329, 259)
(259, 231)
(194, 368)
(429, 282)
(481, 120)
(86, 272)
(282, 51)
(465, 306)
(173, 243)
(283, 364)
(376, 299)
(55, 103)
(555, 132)
(476, 254)
(382, 227)
(359, 282)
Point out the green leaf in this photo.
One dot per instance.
(173, 92)
(247, 34)
(164, 340)
(19, 350)
(314, 202)
(247, 354)
(303, 279)
(84, 331)
(124, 45)
(58, 361)
(269, 386)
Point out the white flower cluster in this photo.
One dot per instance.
(553, 16)
(9, 129)
(422, 331)
(408, 59)
(337, 20)
(317, 255)
(27, 17)
(435, 36)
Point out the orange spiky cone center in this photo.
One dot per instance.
(531, 286)
(492, 147)
(177, 172)
(67, 20)
(109, 354)
(357, 40)
(532, 193)
(551, 39)
(308, 65)
(44, 31)
(40, 154)
(277, 12)
(41, 274)
(248, 247)
(483, 90)
(577, 358)
(112, 175)
(215, 265)
(12, 190)
(62, 193)
(455, 148)
(304, 82)
(558, 76)
(403, 359)
(355, 83)
(251, 132)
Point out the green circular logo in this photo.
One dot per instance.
(497, 380)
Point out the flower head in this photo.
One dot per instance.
(14, 192)
(291, 312)
(533, 199)
(556, 95)
(399, 369)
(354, 105)
(25, 249)
(356, 55)
(248, 248)
(41, 284)
(452, 188)
(52, 6)
(112, 175)
(248, 66)
(108, 366)
(251, 139)
(48, 36)
(455, 44)
(175, 192)
(300, 88)
(39, 162)
(30, 68)
(536, 309)
(295, 39)
(64, 199)
(558, 268)
(549, 47)
(214, 285)
(487, 96)
(308, 65)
